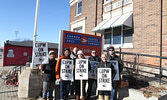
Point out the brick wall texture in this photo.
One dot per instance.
(147, 26)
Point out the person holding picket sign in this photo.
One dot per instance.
(64, 85)
(49, 76)
(80, 84)
(94, 59)
(112, 56)
(105, 95)
(73, 57)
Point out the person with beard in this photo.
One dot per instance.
(49, 76)
(112, 56)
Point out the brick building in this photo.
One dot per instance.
(138, 26)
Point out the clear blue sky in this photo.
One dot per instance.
(20, 15)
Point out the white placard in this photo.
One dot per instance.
(66, 72)
(40, 53)
(115, 64)
(81, 69)
(104, 79)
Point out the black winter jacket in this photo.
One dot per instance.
(120, 63)
(49, 71)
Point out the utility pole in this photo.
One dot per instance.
(35, 28)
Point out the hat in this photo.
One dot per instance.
(111, 48)
(80, 52)
(51, 52)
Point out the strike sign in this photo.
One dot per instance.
(92, 71)
(104, 80)
(115, 64)
(40, 53)
(66, 72)
(81, 69)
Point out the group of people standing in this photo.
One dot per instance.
(73, 87)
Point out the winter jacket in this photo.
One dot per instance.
(115, 57)
(58, 65)
(73, 56)
(49, 71)
(96, 58)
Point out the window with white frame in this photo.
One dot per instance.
(107, 38)
(79, 7)
(106, 1)
(79, 29)
(117, 36)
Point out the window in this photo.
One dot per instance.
(127, 36)
(79, 7)
(79, 30)
(107, 38)
(117, 35)
(106, 1)
(114, 37)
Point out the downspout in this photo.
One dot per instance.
(161, 28)
(161, 41)
(102, 14)
(96, 15)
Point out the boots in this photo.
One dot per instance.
(77, 97)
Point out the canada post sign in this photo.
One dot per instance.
(84, 42)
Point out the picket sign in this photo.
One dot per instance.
(115, 64)
(92, 71)
(66, 71)
(104, 79)
(81, 69)
(40, 53)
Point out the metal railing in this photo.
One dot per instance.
(136, 60)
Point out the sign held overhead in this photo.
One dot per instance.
(40, 53)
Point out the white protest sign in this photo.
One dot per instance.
(66, 72)
(92, 71)
(40, 53)
(104, 80)
(81, 69)
(115, 64)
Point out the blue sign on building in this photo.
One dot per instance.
(82, 40)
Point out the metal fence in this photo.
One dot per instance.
(136, 64)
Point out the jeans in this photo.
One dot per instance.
(64, 89)
(72, 87)
(112, 94)
(48, 87)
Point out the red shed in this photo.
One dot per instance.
(18, 53)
